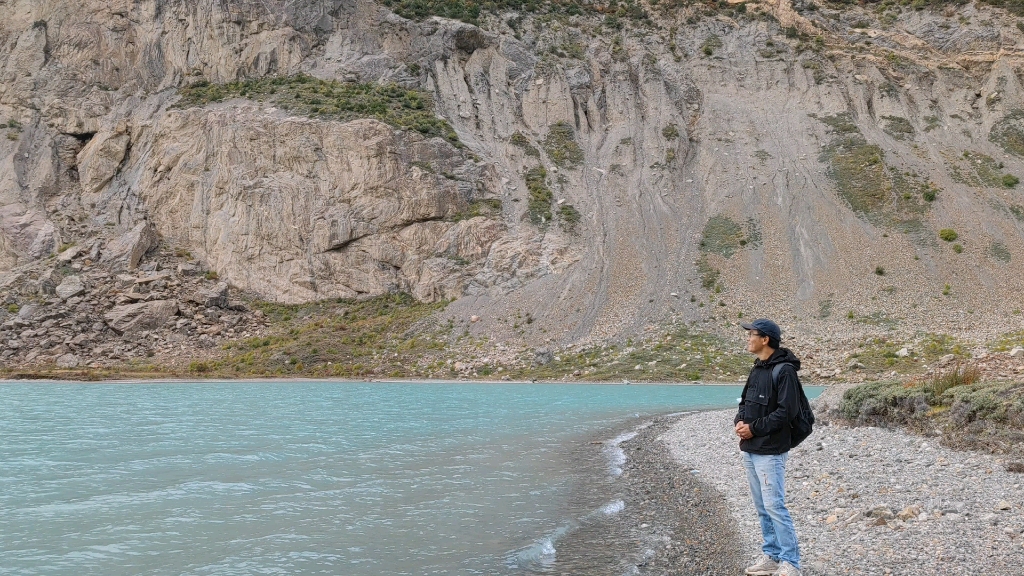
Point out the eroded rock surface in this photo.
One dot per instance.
(686, 170)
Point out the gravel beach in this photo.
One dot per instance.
(865, 500)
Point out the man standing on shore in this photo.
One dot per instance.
(768, 405)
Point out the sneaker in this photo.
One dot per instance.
(787, 569)
(763, 567)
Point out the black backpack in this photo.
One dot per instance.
(801, 426)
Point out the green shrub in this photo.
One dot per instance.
(670, 132)
(488, 208)
(560, 145)
(1010, 181)
(540, 195)
(960, 374)
(879, 270)
(874, 399)
(898, 127)
(569, 214)
(948, 234)
(212, 275)
(520, 140)
(199, 367)
(958, 248)
(13, 308)
(710, 44)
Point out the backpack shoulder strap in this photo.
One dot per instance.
(777, 369)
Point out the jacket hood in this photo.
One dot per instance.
(781, 355)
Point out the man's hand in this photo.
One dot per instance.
(743, 431)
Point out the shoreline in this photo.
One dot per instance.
(663, 520)
(866, 500)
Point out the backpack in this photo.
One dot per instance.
(801, 426)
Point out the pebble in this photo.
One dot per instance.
(842, 486)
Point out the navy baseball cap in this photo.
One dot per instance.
(765, 327)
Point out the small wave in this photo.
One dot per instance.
(539, 556)
(616, 455)
(613, 508)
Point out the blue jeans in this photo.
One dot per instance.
(766, 475)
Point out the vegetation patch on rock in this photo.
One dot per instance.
(882, 354)
(560, 145)
(569, 216)
(1000, 252)
(520, 140)
(331, 100)
(680, 354)
(723, 236)
(872, 188)
(334, 338)
(1009, 132)
(977, 169)
(540, 195)
(898, 127)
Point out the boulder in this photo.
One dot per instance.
(100, 159)
(185, 269)
(69, 254)
(131, 246)
(903, 352)
(46, 285)
(1017, 352)
(71, 286)
(543, 356)
(27, 312)
(68, 361)
(214, 297)
(131, 318)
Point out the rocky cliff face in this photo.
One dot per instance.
(797, 160)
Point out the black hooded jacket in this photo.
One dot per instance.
(769, 408)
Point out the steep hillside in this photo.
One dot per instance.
(601, 169)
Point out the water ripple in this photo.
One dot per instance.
(304, 478)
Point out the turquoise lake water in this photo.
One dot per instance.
(309, 478)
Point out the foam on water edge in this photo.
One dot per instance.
(540, 555)
(613, 508)
(616, 455)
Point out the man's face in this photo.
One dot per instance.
(756, 342)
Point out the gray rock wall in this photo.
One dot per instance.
(295, 209)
